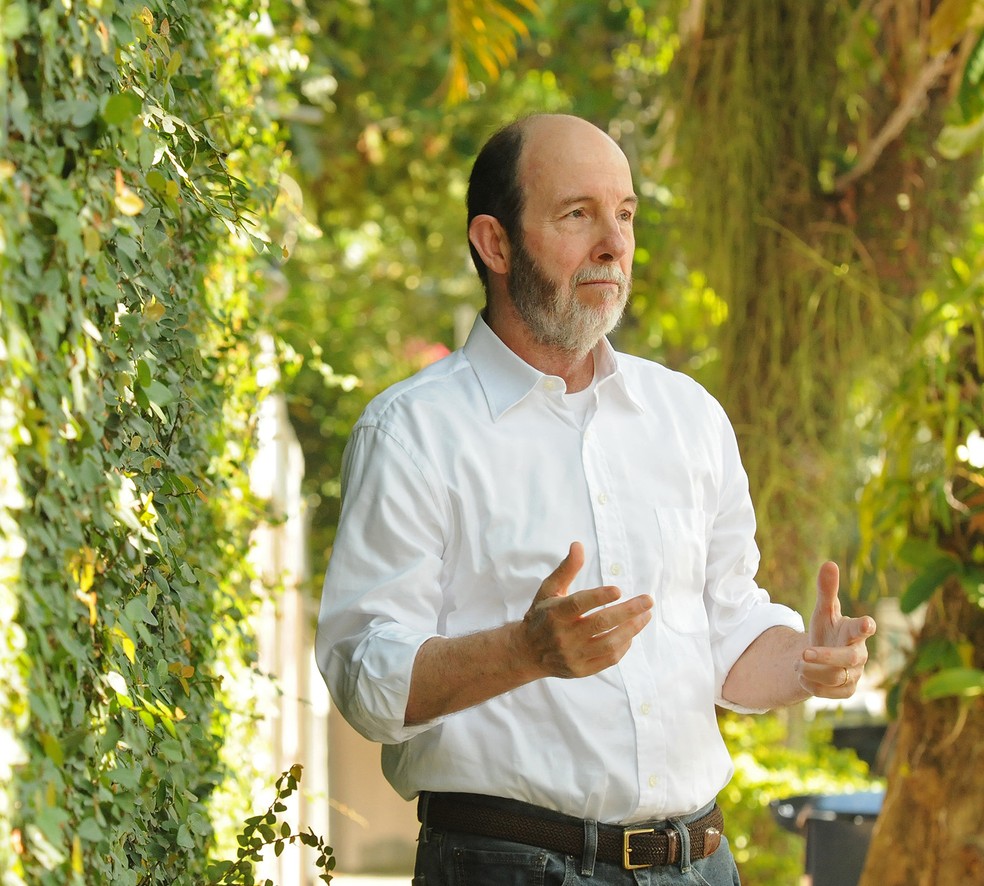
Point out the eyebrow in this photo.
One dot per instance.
(631, 199)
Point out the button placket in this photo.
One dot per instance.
(609, 533)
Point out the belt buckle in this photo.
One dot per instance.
(627, 835)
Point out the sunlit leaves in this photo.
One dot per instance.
(962, 22)
(958, 140)
(483, 32)
(126, 389)
(950, 22)
(127, 202)
(954, 682)
(265, 831)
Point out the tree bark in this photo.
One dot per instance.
(931, 828)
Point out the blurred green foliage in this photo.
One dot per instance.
(770, 766)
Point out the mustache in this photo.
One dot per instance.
(606, 273)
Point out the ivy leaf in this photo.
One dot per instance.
(199, 824)
(78, 864)
(90, 830)
(937, 654)
(153, 311)
(15, 22)
(919, 552)
(137, 610)
(155, 180)
(159, 394)
(121, 108)
(83, 110)
(128, 203)
(973, 585)
(117, 683)
(52, 748)
(144, 376)
(949, 23)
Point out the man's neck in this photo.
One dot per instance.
(577, 370)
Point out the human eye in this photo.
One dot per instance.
(577, 212)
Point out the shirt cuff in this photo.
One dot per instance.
(371, 676)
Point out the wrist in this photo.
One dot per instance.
(521, 654)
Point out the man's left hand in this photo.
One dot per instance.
(835, 659)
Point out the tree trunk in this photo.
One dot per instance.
(931, 828)
(822, 283)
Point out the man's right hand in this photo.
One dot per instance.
(561, 635)
(568, 635)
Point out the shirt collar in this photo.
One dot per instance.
(507, 379)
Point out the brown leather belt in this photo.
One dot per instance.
(632, 846)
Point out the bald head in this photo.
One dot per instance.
(564, 134)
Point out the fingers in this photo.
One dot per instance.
(556, 586)
(827, 611)
(557, 583)
(828, 584)
(828, 626)
(834, 671)
(832, 683)
(603, 621)
(861, 629)
(567, 616)
(606, 649)
(588, 644)
(578, 634)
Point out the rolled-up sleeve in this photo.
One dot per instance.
(381, 599)
(738, 609)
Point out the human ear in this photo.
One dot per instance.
(491, 242)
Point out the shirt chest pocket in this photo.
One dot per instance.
(682, 554)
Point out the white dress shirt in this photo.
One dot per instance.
(463, 488)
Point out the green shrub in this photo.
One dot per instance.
(769, 766)
(134, 171)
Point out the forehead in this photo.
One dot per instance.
(565, 157)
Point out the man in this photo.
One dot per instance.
(542, 581)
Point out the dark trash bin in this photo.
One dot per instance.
(865, 740)
(837, 828)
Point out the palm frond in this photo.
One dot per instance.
(483, 34)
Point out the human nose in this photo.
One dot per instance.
(613, 243)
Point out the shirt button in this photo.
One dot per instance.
(645, 710)
(653, 780)
(550, 384)
(602, 498)
(616, 569)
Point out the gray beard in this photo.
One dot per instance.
(556, 318)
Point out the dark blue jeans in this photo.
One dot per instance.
(453, 859)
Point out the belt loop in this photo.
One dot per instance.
(423, 800)
(590, 852)
(684, 833)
